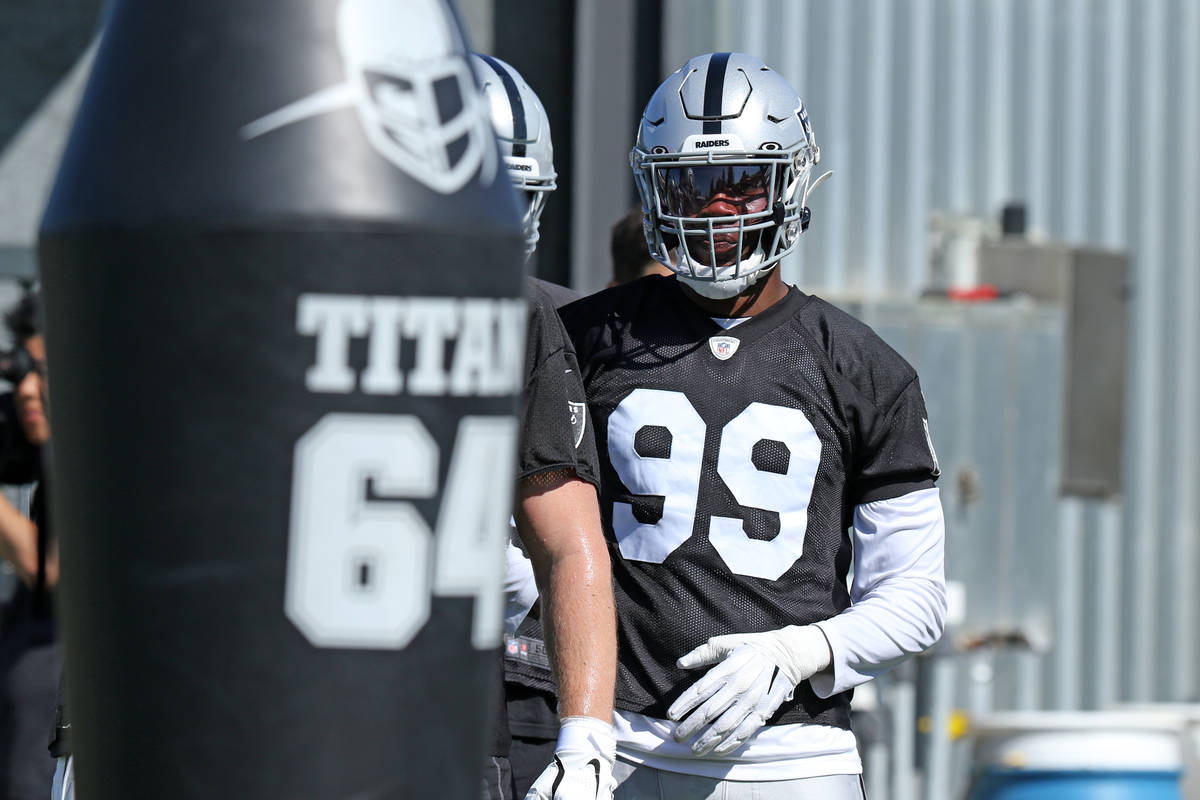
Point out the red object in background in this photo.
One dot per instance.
(974, 294)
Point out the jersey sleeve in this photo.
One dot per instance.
(897, 455)
(556, 433)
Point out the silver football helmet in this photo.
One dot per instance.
(524, 133)
(723, 163)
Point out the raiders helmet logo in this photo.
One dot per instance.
(723, 347)
(407, 76)
(578, 412)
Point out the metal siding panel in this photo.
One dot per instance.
(754, 29)
(1116, 79)
(918, 162)
(856, 153)
(838, 234)
(1174, 584)
(1037, 133)
(998, 98)
(1056, 142)
(677, 43)
(1066, 651)
(1147, 400)
(877, 172)
(962, 67)
(1105, 614)
(1075, 109)
(939, 140)
(726, 33)
(1186, 516)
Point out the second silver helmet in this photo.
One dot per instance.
(523, 131)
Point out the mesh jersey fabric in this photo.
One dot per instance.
(555, 431)
(643, 344)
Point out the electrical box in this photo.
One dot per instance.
(1091, 287)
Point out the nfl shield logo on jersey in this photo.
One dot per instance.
(723, 347)
(578, 420)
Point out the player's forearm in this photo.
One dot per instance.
(581, 632)
(877, 634)
(18, 541)
(559, 522)
(899, 591)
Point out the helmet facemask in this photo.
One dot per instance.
(534, 190)
(724, 216)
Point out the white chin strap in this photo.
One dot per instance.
(722, 290)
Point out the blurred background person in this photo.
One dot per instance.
(29, 655)
(630, 256)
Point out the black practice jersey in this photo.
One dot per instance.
(731, 463)
(555, 434)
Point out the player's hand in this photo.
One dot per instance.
(754, 674)
(583, 763)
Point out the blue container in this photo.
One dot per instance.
(1078, 756)
(1008, 784)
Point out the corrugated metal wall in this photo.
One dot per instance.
(1088, 111)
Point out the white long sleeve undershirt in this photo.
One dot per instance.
(898, 592)
(520, 590)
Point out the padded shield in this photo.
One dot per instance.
(226, 233)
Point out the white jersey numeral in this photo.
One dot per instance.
(676, 478)
(473, 522)
(787, 494)
(362, 562)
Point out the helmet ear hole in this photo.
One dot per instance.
(805, 216)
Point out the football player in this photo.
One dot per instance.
(528, 680)
(754, 442)
(558, 474)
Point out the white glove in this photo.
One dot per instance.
(756, 673)
(583, 763)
